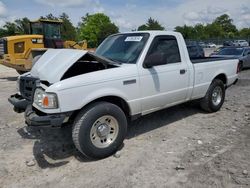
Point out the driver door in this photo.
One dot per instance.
(167, 84)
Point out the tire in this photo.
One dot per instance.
(99, 130)
(214, 97)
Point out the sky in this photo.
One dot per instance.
(129, 14)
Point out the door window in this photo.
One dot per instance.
(166, 47)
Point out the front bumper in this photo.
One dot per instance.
(32, 118)
(19, 103)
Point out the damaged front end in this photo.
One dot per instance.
(55, 65)
(26, 85)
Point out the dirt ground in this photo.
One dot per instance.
(178, 147)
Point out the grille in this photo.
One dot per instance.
(27, 87)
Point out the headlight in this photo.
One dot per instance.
(45, 100)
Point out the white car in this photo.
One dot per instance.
(241, 43)
(211, 45)
(129, 75)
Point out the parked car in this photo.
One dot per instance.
(128, 76)
(241, 53)
(211, 45)
(195, 50)
(202, 44)
(216, 51)
(241, 43)
(228, 43)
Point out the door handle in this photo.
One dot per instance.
(183, 71)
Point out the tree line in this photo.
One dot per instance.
(96, 27)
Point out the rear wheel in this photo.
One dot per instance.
(99, 130)
(214, 97)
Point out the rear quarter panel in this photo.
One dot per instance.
(204, 73)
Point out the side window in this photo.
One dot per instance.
(166, 47)
(246, 52)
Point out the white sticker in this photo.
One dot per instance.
(133, 39)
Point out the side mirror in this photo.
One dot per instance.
(154, 60)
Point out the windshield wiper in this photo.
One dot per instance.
(114, 60)
(103, 59)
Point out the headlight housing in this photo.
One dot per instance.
(45, 100)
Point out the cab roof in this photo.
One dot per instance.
(59, 21)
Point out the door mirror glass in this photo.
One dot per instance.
(155, 59)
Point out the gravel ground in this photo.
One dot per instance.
(178, 147)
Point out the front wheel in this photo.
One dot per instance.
(99, 130)
(214, 97)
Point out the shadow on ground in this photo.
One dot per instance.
(9, 78)
(54, 146)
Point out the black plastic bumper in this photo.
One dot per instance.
(52, 120)
(19, 103)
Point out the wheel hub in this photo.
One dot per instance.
(217, 96)
(102, 130)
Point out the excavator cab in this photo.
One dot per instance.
(51, 31)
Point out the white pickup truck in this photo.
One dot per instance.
(129, 75)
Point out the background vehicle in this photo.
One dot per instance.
(228, 43)
(211, 45)
(241, 43)
(20, 51)
(195, 50)
(241, 53)
(129, 75)
(202, 44)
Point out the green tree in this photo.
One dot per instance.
(94, 28)
(200, 32)
(151, 25)
(215, 30)
(68, 31)
(245, 33)
(186, 31)
(49, 16)
(23, 25)
(19, 26)
(10, 28)
(221, 27)
(226, 23)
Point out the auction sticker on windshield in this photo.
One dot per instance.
(133, 39)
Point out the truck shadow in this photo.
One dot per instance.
(54, 147)
(9, 78)
(162, 118)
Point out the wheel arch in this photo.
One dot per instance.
(119, 101)
(221, 77)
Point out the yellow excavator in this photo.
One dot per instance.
(22, 51)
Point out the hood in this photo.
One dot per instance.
(55, 62)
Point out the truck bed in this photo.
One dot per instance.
(208, 59)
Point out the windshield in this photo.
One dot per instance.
(49, 30)
(123, 48)
(36, 28)
(231, 51)
(52, 30)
